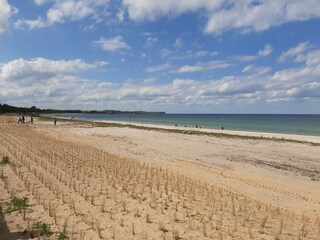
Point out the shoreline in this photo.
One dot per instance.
(189, 130)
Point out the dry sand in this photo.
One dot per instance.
(166, 185)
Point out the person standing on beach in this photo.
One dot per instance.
(31, 119)
(20, 118)
(55, 121)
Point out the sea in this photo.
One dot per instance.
(269, 123)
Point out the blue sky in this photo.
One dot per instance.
(195, 56)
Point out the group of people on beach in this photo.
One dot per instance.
(222, 127)
(176, 125)
(22, 118)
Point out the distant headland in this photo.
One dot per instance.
(5, 108)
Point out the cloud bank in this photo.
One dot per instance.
(221, 15)
(66, 10)
(44, 81)
(225, 15)
(112, 44)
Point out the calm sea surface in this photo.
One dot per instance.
(272, 123)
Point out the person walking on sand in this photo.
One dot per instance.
(31, 119)
(55, 121)
(20, 118)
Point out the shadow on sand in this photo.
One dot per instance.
(5, 233)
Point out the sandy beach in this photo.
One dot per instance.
(127, 183)
(311, 139)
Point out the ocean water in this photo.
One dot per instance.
(271, 123)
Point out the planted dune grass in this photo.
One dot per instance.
(86, 193)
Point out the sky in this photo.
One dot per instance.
(177, 56)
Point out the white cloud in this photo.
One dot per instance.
(112, 44)
(207, 66)
(230, 88)
(18, 68)
(244, 58)
(75, 10)
(247, 68)
(120, 15)
(40, 2)
(294, 52)
(146, 34)
(248, 17)
(266, 51)
(151, 9)
(158, 68)
(311, 58)
(178, 43)
(65, 10)
(104, 84)
(188, 68)
(191, 54)
(46, 81)
(201, 54)
(256, 71)
(297, 84)
(31, 24)
(164, 52)
(292, 85)
(150, 80)
(225, 15)
(5, 13)
(204, 54)
(151, 41)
